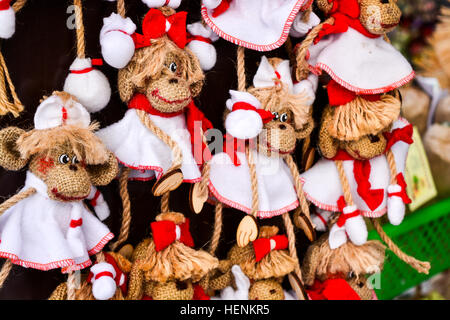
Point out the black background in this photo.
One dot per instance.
(38, 57)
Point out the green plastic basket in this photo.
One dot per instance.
(425, 235)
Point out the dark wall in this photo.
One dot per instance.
(38, 58)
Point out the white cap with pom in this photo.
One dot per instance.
(268, 76)
(88, 84)
(160, 3)
(246, 119)
(103, 281)
(200, 43)
(7, 19)
(56, 111)
(116, 41)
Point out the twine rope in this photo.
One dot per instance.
(121, 7)
(18, 5)
(298, 184)
(71, 286)
(81, 41)
(253, 181)
(4, 273)
(420, 266)
(165, 202)
(291, 241)
(241, 68)
(126, 212)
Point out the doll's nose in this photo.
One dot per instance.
(282, 127)
(73, 167)
(173, 81)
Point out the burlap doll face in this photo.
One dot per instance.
(172, 290)
(68, 169)
(366, 147)
(379, 16)
(170, 77)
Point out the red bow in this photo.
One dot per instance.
(263, 246)
(402, 194)
(266, 116)
(165, 233)
(332, 289)
(223, 6)
(156, 25)
(400, 134)
(4, 4)
(372, 197)
(345, 14)
(338, 95)
(344, 216)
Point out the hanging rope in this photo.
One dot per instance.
(165, 202)
(18, 5)
(420, 266)
(121, 8)
(71, 286)
(241, 68)
(81, 41)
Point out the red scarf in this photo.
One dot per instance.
(346, 14)
(167, 232)
(332, 289)
(338, 95)
(223, 6)
(194, 117)
(263, 246)
(362, 168)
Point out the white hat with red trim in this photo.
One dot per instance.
(88, 85)
(200, 43)
(268, 76)
(246, 119)
(116, 41)
(7, 19)
(54, 112)
(106, 277)
(161, 3)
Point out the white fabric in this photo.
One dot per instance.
(102, 267)
(231, 185)
(308, 87)
(326, 194)
(138, 148)
(300, 28)
(396, 206)
(116, 42)
(36, 232)
(205, 52)
(50, 114)
(361, 64)
(243, 124)
(159, 3)
(261, 25)
(92, 89)
(354, 228)
(101, 208)
(318, 223)
(7, 23)
(265, 74)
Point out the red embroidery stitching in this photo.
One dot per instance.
(45, 165)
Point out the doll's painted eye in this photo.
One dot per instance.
(351, 274)
(75, 160)
(284, 117)
(64, 159)
(373, 139)
(275, 115)
(173, 67)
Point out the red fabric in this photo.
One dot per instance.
(402, 194)
(332, 289)
(261, 246)
(195, 120)
(199, 293)
(338, 95)
(198, 38)
(232, 145)
(266, 116)
(346, 14)
(4, 4)
(372, 197)
(164, 234)
(95, 198)
(223, 6)
(76, 223)
(154, 27)
(400, 134)
(104, 274)
(97, 62)
(345, 216)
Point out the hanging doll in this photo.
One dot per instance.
(262, 25)
(364, 68)
(10, 100)
(107, 279)
(259, 268)
(46, 225)
(166, 266)
(341, 274)
(269, 183)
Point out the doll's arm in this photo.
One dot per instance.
(98, 202)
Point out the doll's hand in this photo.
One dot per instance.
(300, 28)
(247, 231)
